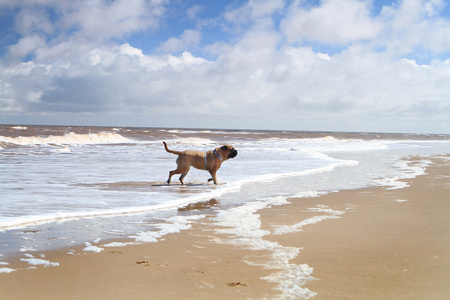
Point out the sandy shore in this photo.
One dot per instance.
(370, 244)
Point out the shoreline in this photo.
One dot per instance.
(370, 243)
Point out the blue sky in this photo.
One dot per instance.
(333, 65)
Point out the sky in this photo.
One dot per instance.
(315, 65)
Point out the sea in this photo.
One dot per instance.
(99, 187)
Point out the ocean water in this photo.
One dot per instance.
(102, 186)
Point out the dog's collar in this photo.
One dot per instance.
(206, 157)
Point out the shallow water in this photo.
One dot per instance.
(67, 186)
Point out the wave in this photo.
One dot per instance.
(191, 141)
(70, 138)
(212, 131)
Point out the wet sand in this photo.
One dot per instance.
(388, 244)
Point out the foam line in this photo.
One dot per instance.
(70, 138)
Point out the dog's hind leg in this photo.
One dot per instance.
(181, 168)
(184, 175)
(171, 173)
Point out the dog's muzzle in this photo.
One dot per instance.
(233, 153)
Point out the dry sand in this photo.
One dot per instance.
(382, 247)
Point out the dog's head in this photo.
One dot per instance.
(228, 151)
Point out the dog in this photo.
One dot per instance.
(209, 161)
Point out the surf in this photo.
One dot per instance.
(69, 138)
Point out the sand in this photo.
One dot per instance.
(386, 244)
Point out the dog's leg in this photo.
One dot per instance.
(213, 175)
(181, 168)
(183, 175)
(171, 173)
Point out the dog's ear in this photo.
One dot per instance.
(225, 148)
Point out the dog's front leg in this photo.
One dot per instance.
(213, 175)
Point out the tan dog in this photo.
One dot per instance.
(209, 160)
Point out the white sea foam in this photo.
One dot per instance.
(7, 270)
(118, 244)
(309, 194)
(330, 214)
(291, 280)
(400, 200)
(407, 170)
(243, 226)
(6, 224)
(92, 248)
(39, 261)
(70, 138)
(172, 225)
(26, 249)
(243, 223)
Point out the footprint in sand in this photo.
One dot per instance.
(144, 263)
(237, 284)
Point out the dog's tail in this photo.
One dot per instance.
(171, 151)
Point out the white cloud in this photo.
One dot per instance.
(194, 10)
(415, 24)
(27, 45)
(31, 20)
(333, 22)
(78, 26)
(286, 84)
(252, 10)
(189, 38)
(252, 13)
(102, 20)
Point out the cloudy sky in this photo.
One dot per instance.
(334, 65)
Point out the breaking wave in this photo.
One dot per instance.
(70, 138)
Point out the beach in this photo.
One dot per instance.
(369, 243)
(256, 149)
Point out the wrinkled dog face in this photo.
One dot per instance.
(229, 150)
